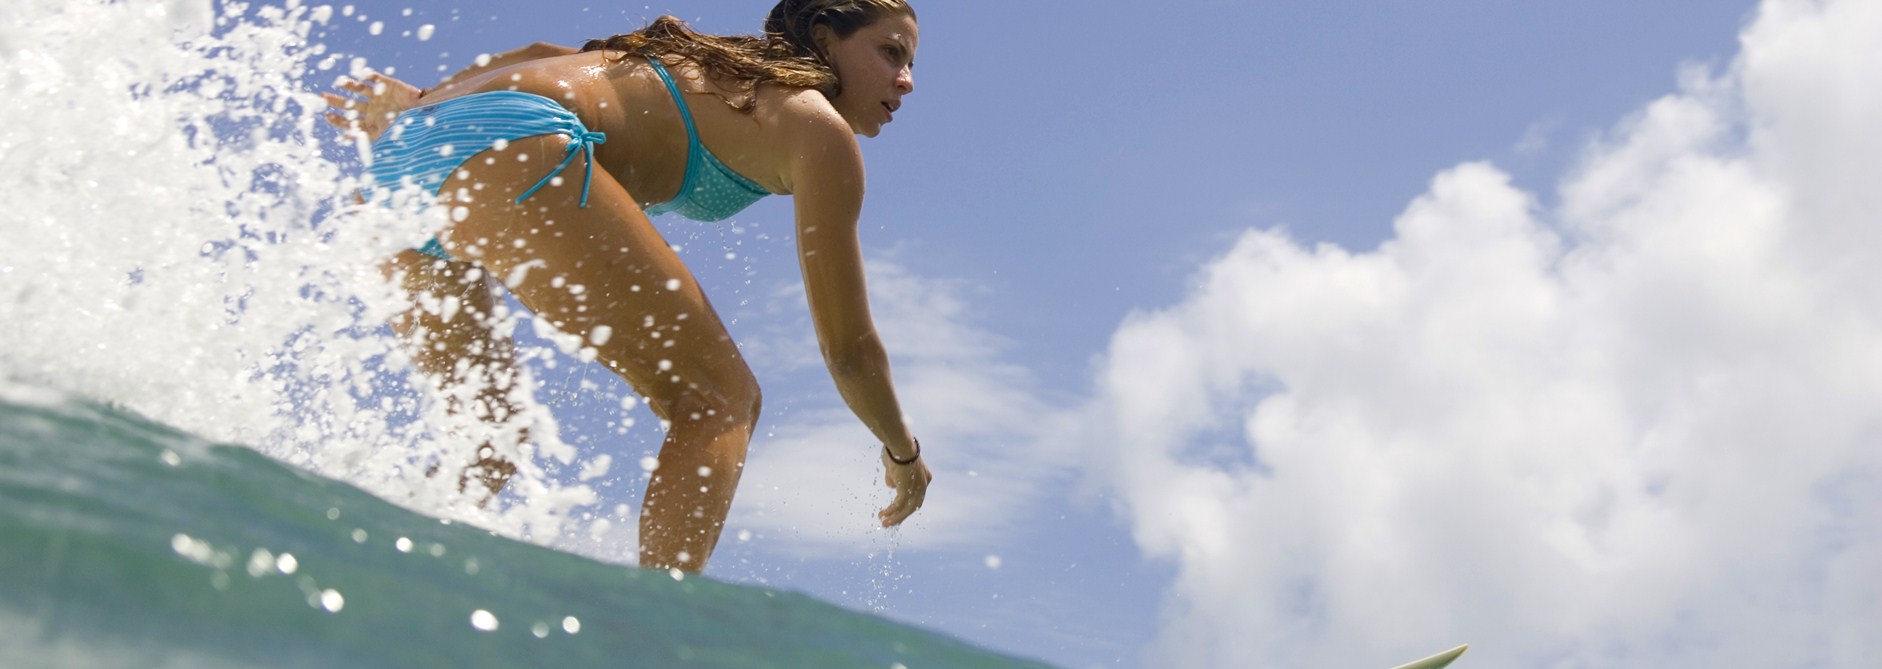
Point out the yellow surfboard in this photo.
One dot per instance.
(1438, 661)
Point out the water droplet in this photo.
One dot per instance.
(331, 600)
(359, 536)
(403, 544)
(571, 625)
(540, 630)
(483, 621)
(993, 562)
(199, 551)
(260, 562)
(287, 564)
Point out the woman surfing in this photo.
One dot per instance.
(551, 159)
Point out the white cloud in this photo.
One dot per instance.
(1636, 431)
(1535, 139)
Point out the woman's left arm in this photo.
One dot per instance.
(827, 184)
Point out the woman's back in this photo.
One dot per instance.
(647, 146)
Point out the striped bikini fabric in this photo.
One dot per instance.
(426, 145)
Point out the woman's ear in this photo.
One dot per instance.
(824, 37)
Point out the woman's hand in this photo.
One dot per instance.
(910, 482)
(379, 100)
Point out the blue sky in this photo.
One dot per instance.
(1068, 181)
(1130, 143)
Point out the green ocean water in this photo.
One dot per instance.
(124, 543)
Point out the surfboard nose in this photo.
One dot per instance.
(1438, 661)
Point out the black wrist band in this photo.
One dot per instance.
(911, 460)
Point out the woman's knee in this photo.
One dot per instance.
(729, 397)
(742, 397)
(754, 403)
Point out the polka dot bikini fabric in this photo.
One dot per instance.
(712, 191)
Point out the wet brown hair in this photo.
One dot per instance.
(787, 53)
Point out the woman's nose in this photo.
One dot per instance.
(905, 81)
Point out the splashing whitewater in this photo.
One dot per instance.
(179, 242)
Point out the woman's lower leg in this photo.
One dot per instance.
(690, 492)
(450, 331)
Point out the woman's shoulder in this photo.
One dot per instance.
(796, 108)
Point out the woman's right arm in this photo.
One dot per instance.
(381, 97)
(506, 59)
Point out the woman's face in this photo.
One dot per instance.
(874, 65)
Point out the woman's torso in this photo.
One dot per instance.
(647, 145)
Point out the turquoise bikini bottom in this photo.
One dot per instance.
(426, 145)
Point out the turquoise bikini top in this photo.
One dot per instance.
(712, 191)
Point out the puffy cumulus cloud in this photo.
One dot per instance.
(814, 480)
(1639, 429)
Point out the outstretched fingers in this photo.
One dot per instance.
(343, 113)
(376, 88)
(367, 107)
(375, 85)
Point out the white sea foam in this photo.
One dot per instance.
(177, 242)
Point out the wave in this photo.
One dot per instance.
(131, 543)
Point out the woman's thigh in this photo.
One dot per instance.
(601, 271)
